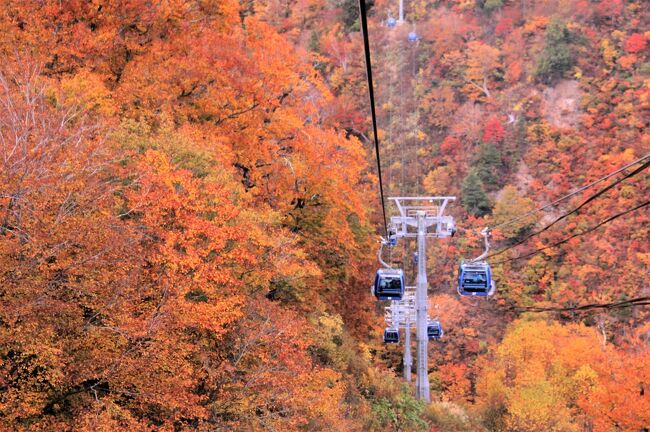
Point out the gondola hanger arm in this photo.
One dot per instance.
(382, 242)
(486, 233)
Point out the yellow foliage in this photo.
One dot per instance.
(438, 180)
(535, 24)
(509, 205)
(609, 51)
(546, 376)
(585, 380)
(86, 91)
(618, 35)
(465, 5)
(577, 72)
(538, 407)
(482, 60)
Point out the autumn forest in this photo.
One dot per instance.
(190, 213)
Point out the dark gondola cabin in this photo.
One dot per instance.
(389, 284)
(434, 330)
(392, 238)
(475, 279)
(391, 335)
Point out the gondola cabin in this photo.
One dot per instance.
(434, 330)
(475, 279)
(413, 37)
(391, 335)
(391, 22)
(389, 284)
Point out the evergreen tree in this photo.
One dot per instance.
(475, 201)
(314, 41)
(556, 57)
(489, 167)
(492, 5)
(350, 13)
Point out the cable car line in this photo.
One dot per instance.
(573, 211)
(390, 147)
(413, 38)
(475, 276)
(371, 94)
(573, 193)
(587, 231)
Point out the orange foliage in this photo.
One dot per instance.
(170, 201)
(186, 208)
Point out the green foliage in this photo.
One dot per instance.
(350, 14)
(475, 200)
(314, 41)
(520, 138)
(287, 291)
(644, 69)
(401, 413)
(493, 416)
(492, 5)
(197, 295)
(624, 313)
(490, 167)
(139, 136)
(510, 205)
(556, 57)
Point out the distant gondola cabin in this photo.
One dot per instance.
(434, 330)
(391, 335)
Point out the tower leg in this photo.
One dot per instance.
(422, 386)
(408, 359)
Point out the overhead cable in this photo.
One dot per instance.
(561, 242)
(371, 94)
(639, 301)
(574, 210)
(570, 194)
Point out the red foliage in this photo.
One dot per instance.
(504, 26)
(494, 131)
(451, 144)
(635, 43)
(609, 8)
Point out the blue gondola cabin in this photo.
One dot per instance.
(434, 330)
(391, 335)
(475, 279)
(389, 284)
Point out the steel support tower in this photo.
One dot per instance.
(421, 218)
(422, 306)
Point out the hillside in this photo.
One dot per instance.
(190, 219)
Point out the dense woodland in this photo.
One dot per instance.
(189, 213)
